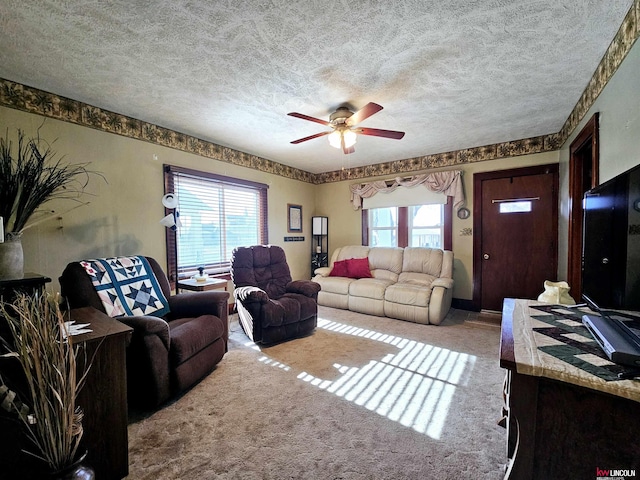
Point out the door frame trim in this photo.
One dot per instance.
(588, 136)
(478, 178)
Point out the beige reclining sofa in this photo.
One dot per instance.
(413, 284)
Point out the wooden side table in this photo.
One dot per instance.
(559, 424)
(103, 398)
(29, 282)
(210, 284)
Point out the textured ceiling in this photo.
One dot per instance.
(452, 75)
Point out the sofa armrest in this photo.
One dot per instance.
(148, 325)
(194, 304)
(322, 271)
(304, 287)
(442, 282)
(248, 295)
(439, 304)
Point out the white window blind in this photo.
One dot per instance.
(217, 215)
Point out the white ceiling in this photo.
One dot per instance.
(452, 74)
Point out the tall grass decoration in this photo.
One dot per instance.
(30, 176)
(49, 361)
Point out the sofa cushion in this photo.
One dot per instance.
(358, 268)
(422, 260)
(263, 266)
(338, 285)
(386, 262)
(308, 306)
(339, 269)
(352, 251)
(280, 312)
(369, 288)
(420, 279)
(189, 336)
(408, 294)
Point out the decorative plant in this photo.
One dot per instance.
(48, 359)
(31, 176)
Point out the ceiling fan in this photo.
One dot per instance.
(343, 121)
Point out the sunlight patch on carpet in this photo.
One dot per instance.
(414, 387)
(268, 361)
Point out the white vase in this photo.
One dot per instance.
(11, 259)
(556, 292)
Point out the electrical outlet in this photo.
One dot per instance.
(465, 232)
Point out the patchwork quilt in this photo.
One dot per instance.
(126, 286)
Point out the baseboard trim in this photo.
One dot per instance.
(462, 304)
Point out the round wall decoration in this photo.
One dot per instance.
(463, 213)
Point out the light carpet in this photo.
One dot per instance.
(363, 397)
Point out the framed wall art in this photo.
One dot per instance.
(294, 218)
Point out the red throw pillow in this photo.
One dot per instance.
(358, 268)
(339, 269)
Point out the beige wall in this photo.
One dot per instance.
(123, 216)
(345, 224)
(619, 115)
(125, 208)
(124, 213)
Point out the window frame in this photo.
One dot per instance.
(170, 173)
(403, 226)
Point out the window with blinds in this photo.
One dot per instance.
(217, 214)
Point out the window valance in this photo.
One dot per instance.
(448, 182)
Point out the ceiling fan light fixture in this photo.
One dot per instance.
(336, 137)
(342, 121)
(349, 138)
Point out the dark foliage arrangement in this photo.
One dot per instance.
(48, 410)
(31, 176)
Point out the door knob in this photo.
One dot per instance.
(485, 256)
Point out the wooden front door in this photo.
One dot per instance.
(516, 234)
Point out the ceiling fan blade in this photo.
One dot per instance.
(311, 137)
(307, 117)
(364, 113)
(377, 132)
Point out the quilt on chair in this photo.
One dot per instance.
(126, 286)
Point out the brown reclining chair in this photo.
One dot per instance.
(271, 307)
(167, 354)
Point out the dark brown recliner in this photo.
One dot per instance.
(271, 307)
(166, 355)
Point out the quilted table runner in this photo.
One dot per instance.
(126, 286)
(551, 341)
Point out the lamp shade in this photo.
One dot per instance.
(349, 138)
(319, 225)
(170, 200)
(334, 139)
(337, 136)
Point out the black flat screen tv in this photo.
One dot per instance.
(611, 243)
